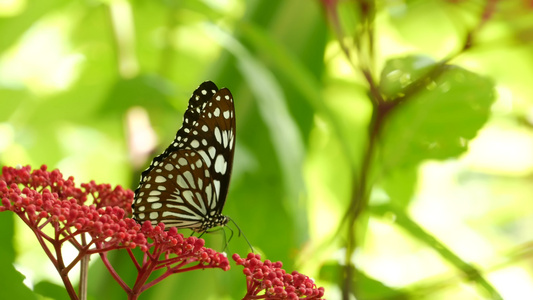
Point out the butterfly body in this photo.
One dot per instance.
(186, 186)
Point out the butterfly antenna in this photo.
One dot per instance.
(227, 240)
(241, 233)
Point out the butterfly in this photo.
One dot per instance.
(186, 186)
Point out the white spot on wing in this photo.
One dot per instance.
(218, 136)
(181, 182)
(152, 199)
(190, 179)
(189, 197)
(220, 164)
(225, 138)
(200, 183)
(217, 186)
(212, 151)
(205, 157)
(209, 193)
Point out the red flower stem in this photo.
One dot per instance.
(130, 253)
(103, 249)
(197, 267)
(255, 288)
(175, 260)
(68, 237)
(74, 242)
(177, 267)
(169, 272)
(142, 277)
(251, 297)
(114, 274)
(63, 273)
(152, 256)
(44, 235)
(46, 222)
(39, 234)
(82, 253)
(155, 281)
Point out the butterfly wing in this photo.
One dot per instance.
(214, 139)
(192, 195)
(178, 192)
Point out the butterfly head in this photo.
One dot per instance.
(212, 221)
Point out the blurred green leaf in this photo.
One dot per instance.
(400, 185)
(411, 21)
(147, 90)
(363, 286)
(438, 122)
(12, 28)
(399, 73)
(51, 290)
(10, 101)
(469, 271)
(11, 285)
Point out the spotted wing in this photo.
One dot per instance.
(178, 191)
(208, 131)
(213, 137)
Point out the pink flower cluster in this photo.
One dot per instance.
(43, 199)
(189, 254)
(267, 280)
(93, 219)
(47, 199)
(187, 249)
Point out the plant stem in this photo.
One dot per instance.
(359, 199)
(84, 271)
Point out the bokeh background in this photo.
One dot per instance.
(434, 202)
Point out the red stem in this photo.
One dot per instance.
(133, 259)
(142, 277)
(114, 274)
(60, 266)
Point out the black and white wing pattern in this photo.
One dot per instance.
(186, 186)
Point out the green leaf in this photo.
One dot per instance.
(12, 28)
(410, 20)
(438, 121)
(404, 221)
(51, 290)
(400, 185)
(11, 285)
(146, 90)
(364, 286)
(399, 73)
